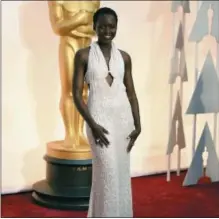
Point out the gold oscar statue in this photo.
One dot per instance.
(68, 162)
(72, 21)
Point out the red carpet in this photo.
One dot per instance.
(152, 196)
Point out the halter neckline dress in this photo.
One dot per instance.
(111, 194)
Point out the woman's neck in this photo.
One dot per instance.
(105, 46)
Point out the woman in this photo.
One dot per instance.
(112, 117)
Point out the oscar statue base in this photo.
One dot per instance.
(68, 181)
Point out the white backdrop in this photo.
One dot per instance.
(31, 87)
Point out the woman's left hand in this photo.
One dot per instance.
(132, 137)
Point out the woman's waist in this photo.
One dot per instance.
(108, 101)
(107, 95)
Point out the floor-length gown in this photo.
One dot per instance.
(111, 194)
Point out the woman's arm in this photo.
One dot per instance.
(130, 89)
(80, 63)
(78, 86)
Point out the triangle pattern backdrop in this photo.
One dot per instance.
(177, 136)
(200, 27)
(178, 61)
(205, 98)
(195, 171)
(184, 3)
(215, 20)
(180, 40)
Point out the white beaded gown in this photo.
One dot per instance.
(111, 194)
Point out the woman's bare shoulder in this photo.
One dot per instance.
(126, 56)
(82, 54)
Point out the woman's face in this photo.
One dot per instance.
(106, 28)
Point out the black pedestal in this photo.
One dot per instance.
(67, 184)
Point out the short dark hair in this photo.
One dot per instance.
(103, 11)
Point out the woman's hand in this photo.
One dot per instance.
(99, 133)
(133, 136)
